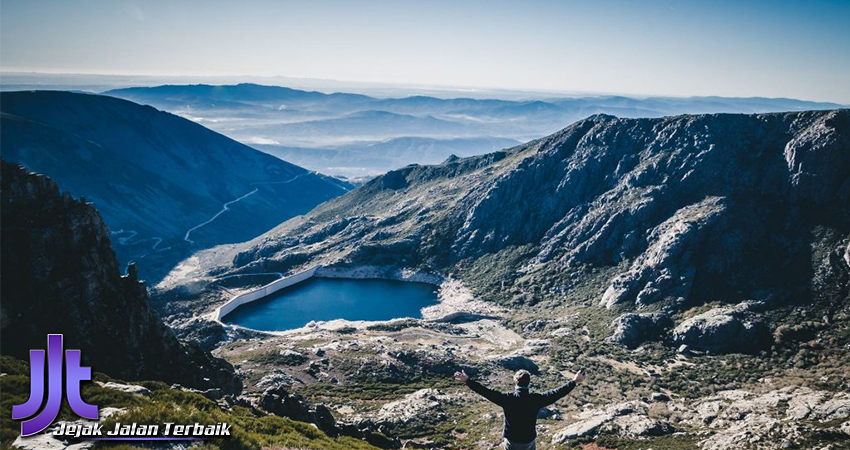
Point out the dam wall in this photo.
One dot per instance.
(263, 292)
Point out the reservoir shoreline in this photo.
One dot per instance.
(454, 300)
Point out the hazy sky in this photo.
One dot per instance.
(773, 48)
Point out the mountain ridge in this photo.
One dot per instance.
(155, 175)
(580, 192)
(250, 91)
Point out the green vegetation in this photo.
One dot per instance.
(672, 442)
(370, 391)
(275, 357)
(250, 430)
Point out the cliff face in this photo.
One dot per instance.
(60, 275)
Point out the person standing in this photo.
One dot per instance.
(520, 407)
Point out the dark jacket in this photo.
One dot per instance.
(521, 407)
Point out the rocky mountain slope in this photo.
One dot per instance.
(684, 209)
(699, 259)
(60, 275)
(166, 186)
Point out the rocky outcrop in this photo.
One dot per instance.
(413, 415)
(723, 330)
(847, 256)
(61, 276)
(628, 420)
(517, 362)
(280, 401)
(422, 404)
(815, 164)
(128, 388)
(664, 269)
(631, 330)
(743, 419)
(208, 334)
(778, 418)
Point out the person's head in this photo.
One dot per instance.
(522, 378)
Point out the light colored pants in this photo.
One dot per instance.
(508, 445)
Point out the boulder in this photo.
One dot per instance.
(581, 428)
(723, 330)
(207, 333)
(128, 388)
(591, 422)
(659, 397)
(517, 362)
(635, 425)
(324, 419)
(415, 414)
(274, 380)
(549, 413)
(414, 407)
(281, 402)
(631, 330)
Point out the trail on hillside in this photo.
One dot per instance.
(258, 183)
(128, 240)
(225, 207)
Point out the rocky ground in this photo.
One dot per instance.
(697, 266)
(393, 378)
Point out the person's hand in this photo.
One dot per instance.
(580, 376)
(461, 376)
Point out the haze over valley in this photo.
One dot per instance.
(355, 135)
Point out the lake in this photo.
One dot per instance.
(334, 298)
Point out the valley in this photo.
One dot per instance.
(165, 185)
(644, 250)
(694, 266)
(392, 225)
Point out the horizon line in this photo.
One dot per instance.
(378, 85)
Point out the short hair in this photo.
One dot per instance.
(522, 378)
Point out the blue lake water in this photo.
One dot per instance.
(334, 298)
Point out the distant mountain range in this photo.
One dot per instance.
(275, 116)
(166, 186)
(362, 159)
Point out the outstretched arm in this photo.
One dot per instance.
(490, 394)
(560, 392)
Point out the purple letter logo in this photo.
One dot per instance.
(74, 374)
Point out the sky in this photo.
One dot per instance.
(778, 48)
